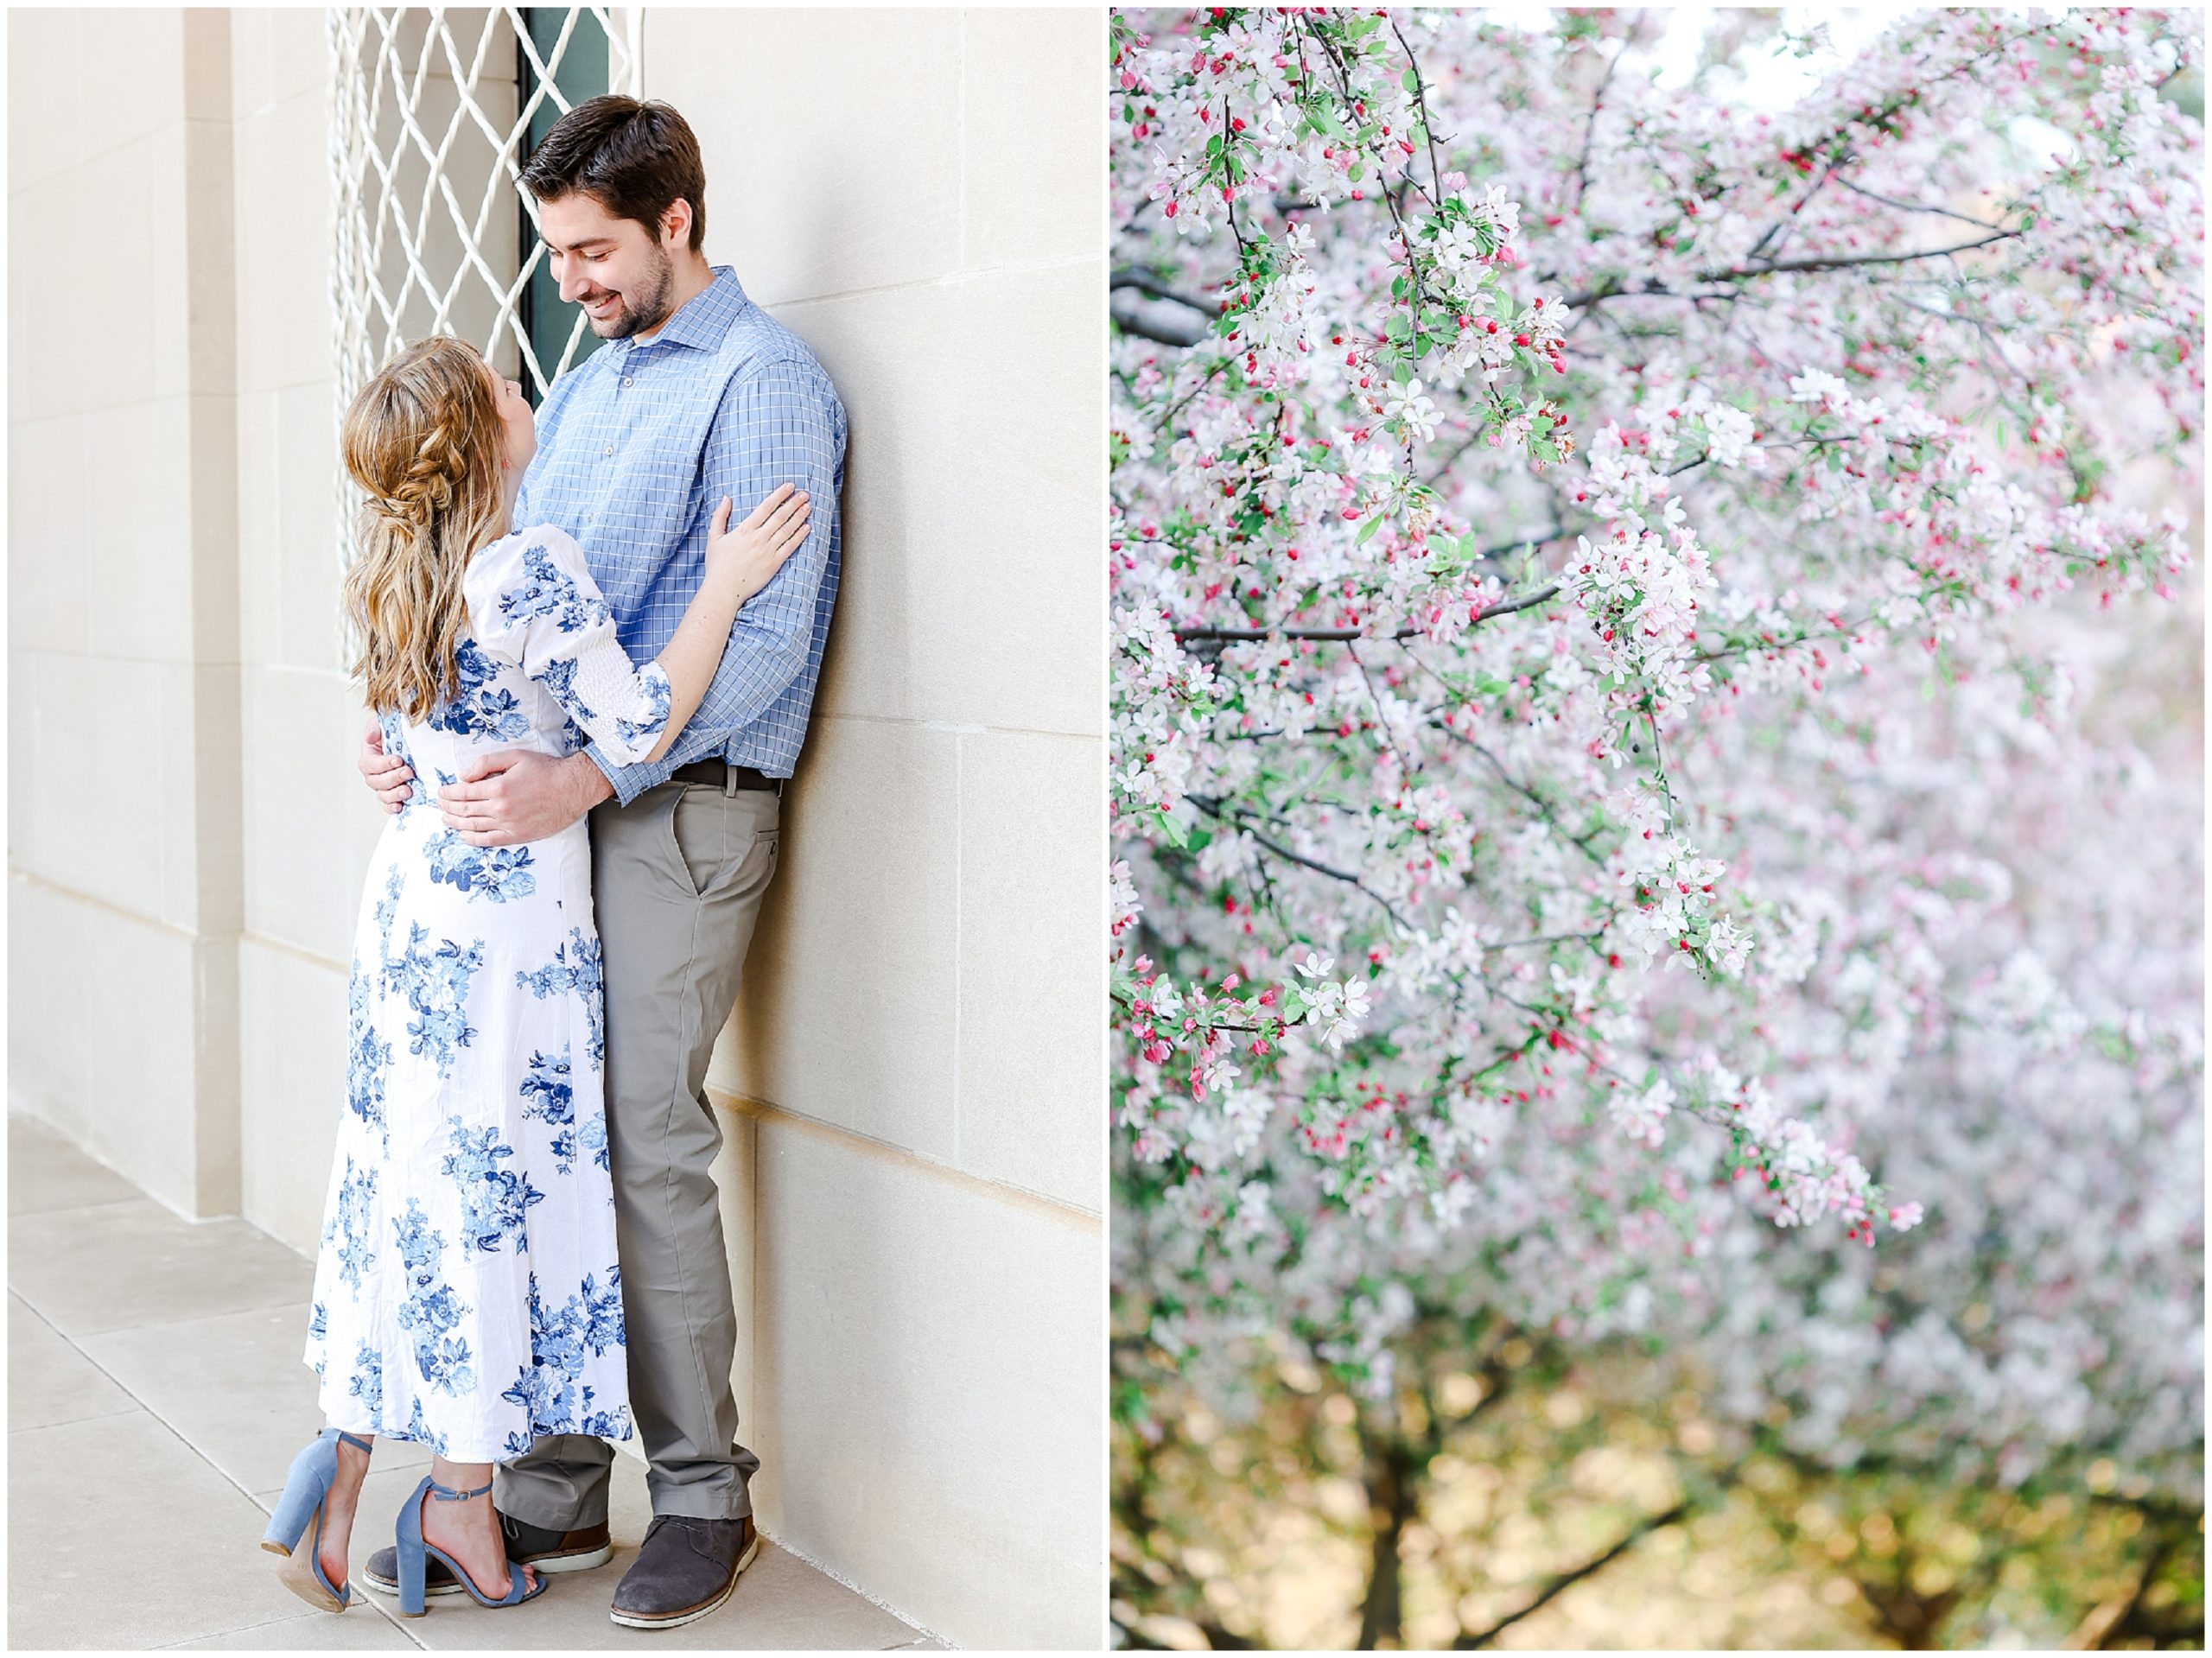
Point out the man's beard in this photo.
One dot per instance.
(650, 310)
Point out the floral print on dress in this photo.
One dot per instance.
(433, 1308)
(419, 1430)
(368, 1055)
(495, 1202)
(348, 1232)
(548, 590)
(551, 1386)
(497, 872)
(646, 732)
(575, 966)
(480, 706)
(548, 1096)
(472, 1157)
(534, 604)
(435, 983)
(366, 1383)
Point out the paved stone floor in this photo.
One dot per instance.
(156, 1398)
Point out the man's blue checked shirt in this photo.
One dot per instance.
(637, 446)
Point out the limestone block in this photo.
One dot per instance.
(830, 138)
(1032, 986)
(847, 1014)
(1032, 135)
(931, 1375)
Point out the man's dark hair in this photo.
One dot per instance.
(634, 159)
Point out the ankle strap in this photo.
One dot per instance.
(446, 1494)
(356, 1441)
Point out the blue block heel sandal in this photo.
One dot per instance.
(414, 1555)
(307, 1491)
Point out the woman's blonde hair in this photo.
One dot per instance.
(423, 439)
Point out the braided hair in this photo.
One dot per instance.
(422, 440)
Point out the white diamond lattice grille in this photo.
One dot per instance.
(427, 127)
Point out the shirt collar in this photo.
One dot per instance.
(704, 320)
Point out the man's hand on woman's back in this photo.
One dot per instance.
(519, 794)
(391, 780)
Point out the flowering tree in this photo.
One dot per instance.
(1583, 553)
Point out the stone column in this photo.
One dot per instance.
(123, 835)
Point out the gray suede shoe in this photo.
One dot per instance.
(686, 1569)
(550, 1552)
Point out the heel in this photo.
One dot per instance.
(413, 1564)
(414, 1555)
(298, 1517)
(306, 1484)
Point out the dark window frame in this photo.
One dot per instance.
(582, 72)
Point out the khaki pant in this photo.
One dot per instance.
(678, 877)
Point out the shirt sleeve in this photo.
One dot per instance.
(531, 600)
(782, 425)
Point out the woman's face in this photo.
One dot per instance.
(518, 442)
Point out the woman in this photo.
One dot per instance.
(468, 1296)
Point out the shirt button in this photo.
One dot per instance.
(610, 449)
(626, 379)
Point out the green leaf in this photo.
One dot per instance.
(1410, 80)
(1367, 531)
(1173, 830)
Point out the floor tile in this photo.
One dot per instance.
(46, 1171)
(86, 1500)
(49, 1381)
(358, 1629)
(780, 1602)
(156, 1380)
(88, 1270)
(234, 1388)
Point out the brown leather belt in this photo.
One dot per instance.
(724, 776)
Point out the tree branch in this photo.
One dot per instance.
(1160, 330)
(1820, 262)
(1145, 282)
(1560, 1585)
(1215, 810)
(1916, 206)
(1245, 635)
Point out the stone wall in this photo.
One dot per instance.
(916, 1070)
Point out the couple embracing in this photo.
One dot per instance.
(590, 642)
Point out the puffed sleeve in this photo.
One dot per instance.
(533, 602)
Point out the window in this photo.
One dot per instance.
(572, 43)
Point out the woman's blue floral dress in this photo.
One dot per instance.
(466, 1293)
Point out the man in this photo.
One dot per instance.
(699, 395)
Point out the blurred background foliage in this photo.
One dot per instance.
(1518, 1494)
(1518, 1491)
